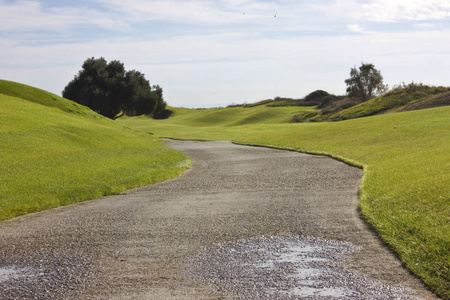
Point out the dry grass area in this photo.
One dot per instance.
(434, 101)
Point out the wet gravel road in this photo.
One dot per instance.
(243, 223)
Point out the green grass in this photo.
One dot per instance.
(216, 120)
(36, 95)
(234, 116)
(55, 152)
(404, 192)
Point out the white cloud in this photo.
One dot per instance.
(427, 26)
(355, 28)
(221, 12)
(32, 16)
(389, 10)
(173, 11)
(413, 10)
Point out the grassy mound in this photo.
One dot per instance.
(36, 95)
(404, 192)
(221, 117)
(55, 152)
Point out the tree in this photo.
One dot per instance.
(366, 82)
(109, 90)
(160, 103)
(141, 100)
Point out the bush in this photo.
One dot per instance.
(164, 114)
(316, 97)
(327, 100)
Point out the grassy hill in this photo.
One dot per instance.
(404, 193)
(234, 116)
(35, 95)
(55, 152)
(217, 119)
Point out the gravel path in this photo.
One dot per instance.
(243, 223)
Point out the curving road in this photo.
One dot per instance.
(243, 223)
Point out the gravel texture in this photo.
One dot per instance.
(243, 223)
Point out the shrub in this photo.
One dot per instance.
(316, 97)
(304, 116)
(327, 100)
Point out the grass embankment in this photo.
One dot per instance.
(234, 116)
(55, 152)
(212, 124)
(403, 98)
(404, 192)
(406, 98)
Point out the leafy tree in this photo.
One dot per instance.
(160, 105)
(140, 97)
(109, 90)
(365, 82)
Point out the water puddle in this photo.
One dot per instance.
(286, 268)
(12, 273)
(324, 292)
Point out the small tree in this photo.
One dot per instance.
(365, 82)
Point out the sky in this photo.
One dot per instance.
(213, 53)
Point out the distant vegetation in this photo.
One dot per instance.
(396, 100)
(367, 96)
(329, 107)
(365, 82)
(55, 152)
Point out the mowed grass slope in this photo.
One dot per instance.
(55, 152)
(404, 193)
(194, 123)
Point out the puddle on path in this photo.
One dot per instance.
(286, 268)
(12, 273)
